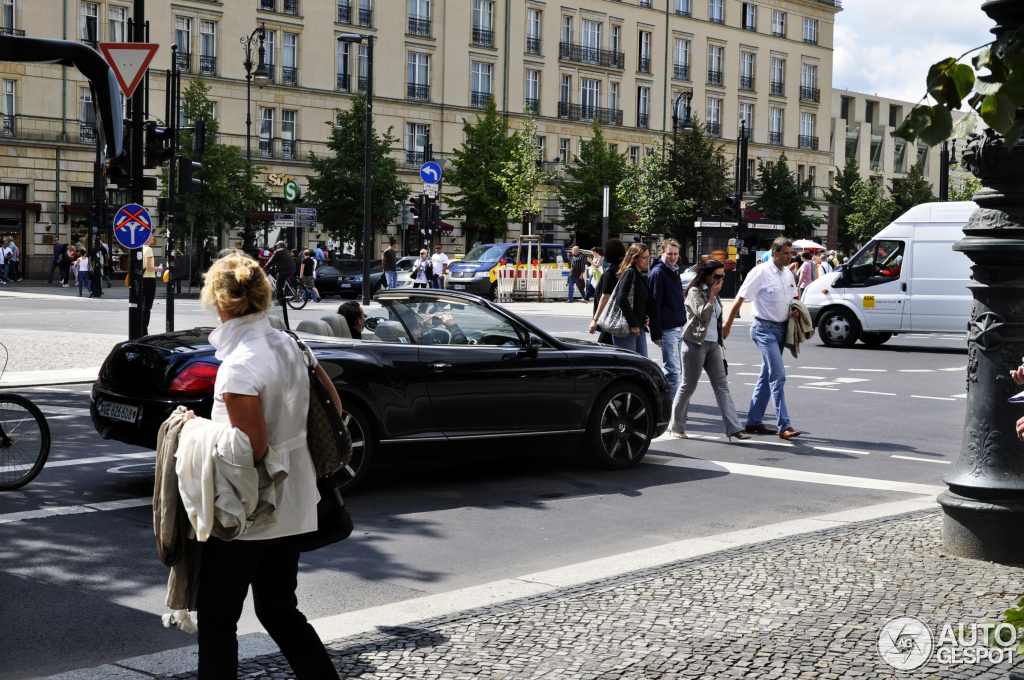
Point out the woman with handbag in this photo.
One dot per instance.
(704, 350)
(614, 252)
(633, 297)
(263, 389)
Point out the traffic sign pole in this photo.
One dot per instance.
(138, 117)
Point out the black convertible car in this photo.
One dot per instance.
(436, 375)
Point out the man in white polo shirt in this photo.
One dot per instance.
(770, 287)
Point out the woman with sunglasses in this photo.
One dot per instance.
(704, 350)
(632, 284)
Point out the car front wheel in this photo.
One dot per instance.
(875, 339)
(620, 428)
(838, 328)
(363, 445)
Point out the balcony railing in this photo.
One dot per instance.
(591, 55)
(343, 82)
(681, 72)
(532, 106)
(683, 13)
(49, 129)
(478, 100)
(289, 75)
(645, 3)
(749, 27)
(291, 6)
(208, 66)
(747, 83)
(95, 44)
(779, 34)
(184, 61)
(87, 132)
(266, 149)
(713, 129)
(362, 83)
(589, 113)
(808, 142)
(532, 45)
(643, 65)
(418, 26)
(778, 88)
(365, 17)
(417, 92)
(288, 148)
(344, 13)
(268, 5)
(642, 120)
(414, 158)
(11, 31)
(271, 73)
(716, 20)
(810, 41)
(483, 36)
(810, 94)
(775, 138)
(714, 77)
(10, 126)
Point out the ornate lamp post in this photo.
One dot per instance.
(261, 76)
(984, 506)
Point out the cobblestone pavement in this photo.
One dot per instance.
(804, 607)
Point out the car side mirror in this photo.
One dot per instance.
(532, 345)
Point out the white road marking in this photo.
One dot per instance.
(807, 377)
(819, 368)
(917, 370)
(884, 394)
(748, 374)
(75, 509)
(838, 450)
(960, 396)
(50, 463)
(921, 396)
(868, 370)
(813, 387)
(923, 460)
(828, 383)
(955, 368)
(851, 380)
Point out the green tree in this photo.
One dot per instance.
(651, 193)
(841, 194)
(872, 209)
(784, 199)
(962, 186)
(521, 177)
(336, 188)
(478, 163)
(229, 193)
(702, 179)
(581, 195)
(911, 190)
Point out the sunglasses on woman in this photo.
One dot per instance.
(718, 276)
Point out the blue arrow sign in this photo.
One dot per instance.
(430, 172)
(132, 226)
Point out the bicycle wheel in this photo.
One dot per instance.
(294, 296)
(24, 441)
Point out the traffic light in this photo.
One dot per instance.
(159, 144)
(94, 214)
(733, 209)
(199, 137)
(186, 168)
(434, 217)
(417, 207)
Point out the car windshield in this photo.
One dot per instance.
(444, 321)
(485, 254)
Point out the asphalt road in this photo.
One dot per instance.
(82, 585)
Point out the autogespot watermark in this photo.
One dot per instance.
(907, 643)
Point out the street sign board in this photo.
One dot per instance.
(430, 172)
(284, 216)
(280, 224)
(129, 62)
(430, 189)
(132, 226)
(305, 211)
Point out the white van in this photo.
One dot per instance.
(907, 279)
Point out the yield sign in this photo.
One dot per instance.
(129, 61)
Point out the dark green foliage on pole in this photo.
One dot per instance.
(581, 194)
(703, 177)
(336, 185)
(784, 199)
(842, 194)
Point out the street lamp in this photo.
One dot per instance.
(367, 171)
(261, 76)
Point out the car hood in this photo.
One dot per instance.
(589, 344)
(472, 266)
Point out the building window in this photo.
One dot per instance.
(643, 98)
(532, 104)
(811, 31)
(343, 74)
(716, 11)
(8, 18)
(418, 85)
(778, 23)
(288, 133)
(481, 84)
(565, 93)
(810, 178)
(567, 30)
(713, 121)
(364, 68)
(895, 114)
(365, 13)
(208, 48)
(616, 44)
(419, 17)
(483, 22)
(807, 138)
(590, 98)
(8, 104)
(542, 147)
(681, 60)
(746, 121)
(644, 58)
(118, 23)
(290, 59)
(749, 16)
(266, 132)
(87, 115)
(269, 57)
(778, 87)
(869, 112)
(775, 127)
(183, 38)
(684, 7)
(591, 34)
(716, 59)
(90, 23)
(415, 143)
(844, 108)
(634, 154)
(533, 31)
(747, 71)
(809, 91)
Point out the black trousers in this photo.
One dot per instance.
(55, 266)
(148, 295)
(271, 567)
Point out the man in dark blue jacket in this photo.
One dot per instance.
(669, 310)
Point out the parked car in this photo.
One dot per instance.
(345, 278)
(687, 275)
(436, 375)
(475, 273)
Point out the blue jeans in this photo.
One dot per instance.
(574, 282)
(671, 346)
(392, 279)
(637, 343)
(84, 278)
(769, 338)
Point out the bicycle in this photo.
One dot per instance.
(295, 293)
(24, 439)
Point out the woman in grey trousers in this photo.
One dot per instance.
(704, 349)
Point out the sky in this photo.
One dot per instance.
(884, 47)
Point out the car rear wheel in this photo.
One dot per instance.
(838, 328)
(492, 293)
(875, 339)
(363, 445)
(620, 428)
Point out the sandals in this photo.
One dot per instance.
(678, 435)
(760, 428)
(789, 433)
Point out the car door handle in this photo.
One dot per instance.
(440, 366)
(904, 287)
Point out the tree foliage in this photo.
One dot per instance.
(651, 193)
(872, 209)
(841, 195)
(229, 193)
(962, 186)
(336, 187)
(701, 174)
(784, 199)
(478, 163)
(521, 177)
(906, 192)
(581, 195)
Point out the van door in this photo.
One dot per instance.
(876, 284)
(938, 295)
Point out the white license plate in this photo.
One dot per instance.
(109, 409)
(459, 286)
(346, 285)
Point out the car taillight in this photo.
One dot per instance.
(195, 381)
(102, 366)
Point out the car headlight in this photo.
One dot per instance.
(482, 275)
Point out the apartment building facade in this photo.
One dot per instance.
(436, 62)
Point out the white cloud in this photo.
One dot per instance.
(884, 47)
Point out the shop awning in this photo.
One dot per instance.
(13, 205)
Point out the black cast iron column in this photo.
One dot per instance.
(984, 506)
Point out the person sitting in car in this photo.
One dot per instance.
(355, 317)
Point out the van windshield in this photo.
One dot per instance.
(877, 262)
(485, 254)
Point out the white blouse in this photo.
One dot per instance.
(259, 360)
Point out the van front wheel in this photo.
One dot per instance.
(838, 328)
(875, 339)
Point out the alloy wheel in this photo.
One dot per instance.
(625, 424)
